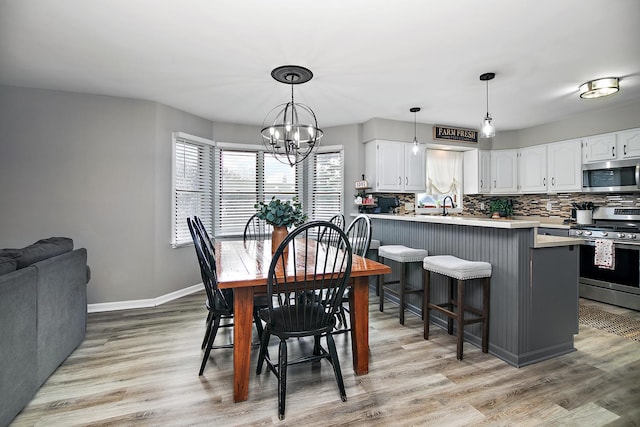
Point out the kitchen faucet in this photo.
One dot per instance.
(444, 205)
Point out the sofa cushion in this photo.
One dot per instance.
(7, 265)
(40, 250)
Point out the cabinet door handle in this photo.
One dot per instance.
(624, 149)
(494, 183)
(481, 184)
(544, 181)
(406, 180)
(399, 180)
(553, 180)
(613, 151)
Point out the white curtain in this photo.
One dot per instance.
(444, 171)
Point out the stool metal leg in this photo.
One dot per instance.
(460, 319)
(485, 315)
(426, 300)
(381, 286)
(452, 304)
(403, 281)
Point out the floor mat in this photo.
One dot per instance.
(614, 323)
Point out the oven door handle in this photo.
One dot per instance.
(638, 175)
(616, 245)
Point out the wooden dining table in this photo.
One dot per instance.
(244, 267)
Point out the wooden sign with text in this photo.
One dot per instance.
(444, 133)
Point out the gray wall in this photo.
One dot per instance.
(96, 169)
(590, 123)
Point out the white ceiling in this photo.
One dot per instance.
(370, 58)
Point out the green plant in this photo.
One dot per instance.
(281, 214)
(502, 206)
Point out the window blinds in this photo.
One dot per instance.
(326, 185)
(193, 185)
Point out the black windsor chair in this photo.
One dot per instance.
(257, 229)
(359, 235)
(312, 266)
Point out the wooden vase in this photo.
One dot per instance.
(277, 236)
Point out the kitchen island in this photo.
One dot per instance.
(534, 282)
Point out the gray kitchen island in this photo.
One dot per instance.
(534, 282)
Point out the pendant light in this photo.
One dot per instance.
(487, 130)
(290, 131)
(415, 148)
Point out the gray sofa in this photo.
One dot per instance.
(43, 316)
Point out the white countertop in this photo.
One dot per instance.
(461, 220)
(541, 241)
(544, 241)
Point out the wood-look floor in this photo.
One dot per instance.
(141, 367)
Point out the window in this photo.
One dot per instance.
(325, 197)
(192, 185)
(444, 178)
(247, 175)
(222, 182)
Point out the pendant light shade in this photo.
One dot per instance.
(416, 147)
(487, 130)
(599, 88)
(290, 131)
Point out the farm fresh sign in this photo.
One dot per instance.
(444, 133)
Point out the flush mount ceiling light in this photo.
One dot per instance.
(487, 130)
(415, 148)
(290, 131)
(599, 88)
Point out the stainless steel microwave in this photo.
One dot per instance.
(611, 177)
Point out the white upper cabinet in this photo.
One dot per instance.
(629, 143)
(415, 168)
(532, 169)
(599, 148)
(476, 168)
(504, 166)
(564, 166)
(392, 166)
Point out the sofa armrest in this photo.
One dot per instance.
(18, 337)
(62, 308)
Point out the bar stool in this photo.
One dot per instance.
(459, 272)
(404, 256)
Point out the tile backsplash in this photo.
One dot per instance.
(535, 204)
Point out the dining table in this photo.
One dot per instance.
(243, 265)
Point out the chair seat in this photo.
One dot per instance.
(374, 245)
(457, 268)
(401, 253)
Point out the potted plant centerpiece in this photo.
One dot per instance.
(281, 215)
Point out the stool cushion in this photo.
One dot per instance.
(375, 244)
(401, 253)
(457, 268)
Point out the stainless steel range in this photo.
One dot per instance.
(619, 285)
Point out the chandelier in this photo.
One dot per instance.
(290, 131)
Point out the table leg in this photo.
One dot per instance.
(359, 316)
(242, 330)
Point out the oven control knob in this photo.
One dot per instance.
(578, 232)
(631, 236)
(604, 234)
(621, 235)
(587, 233)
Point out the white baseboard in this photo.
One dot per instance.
(143, 303)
